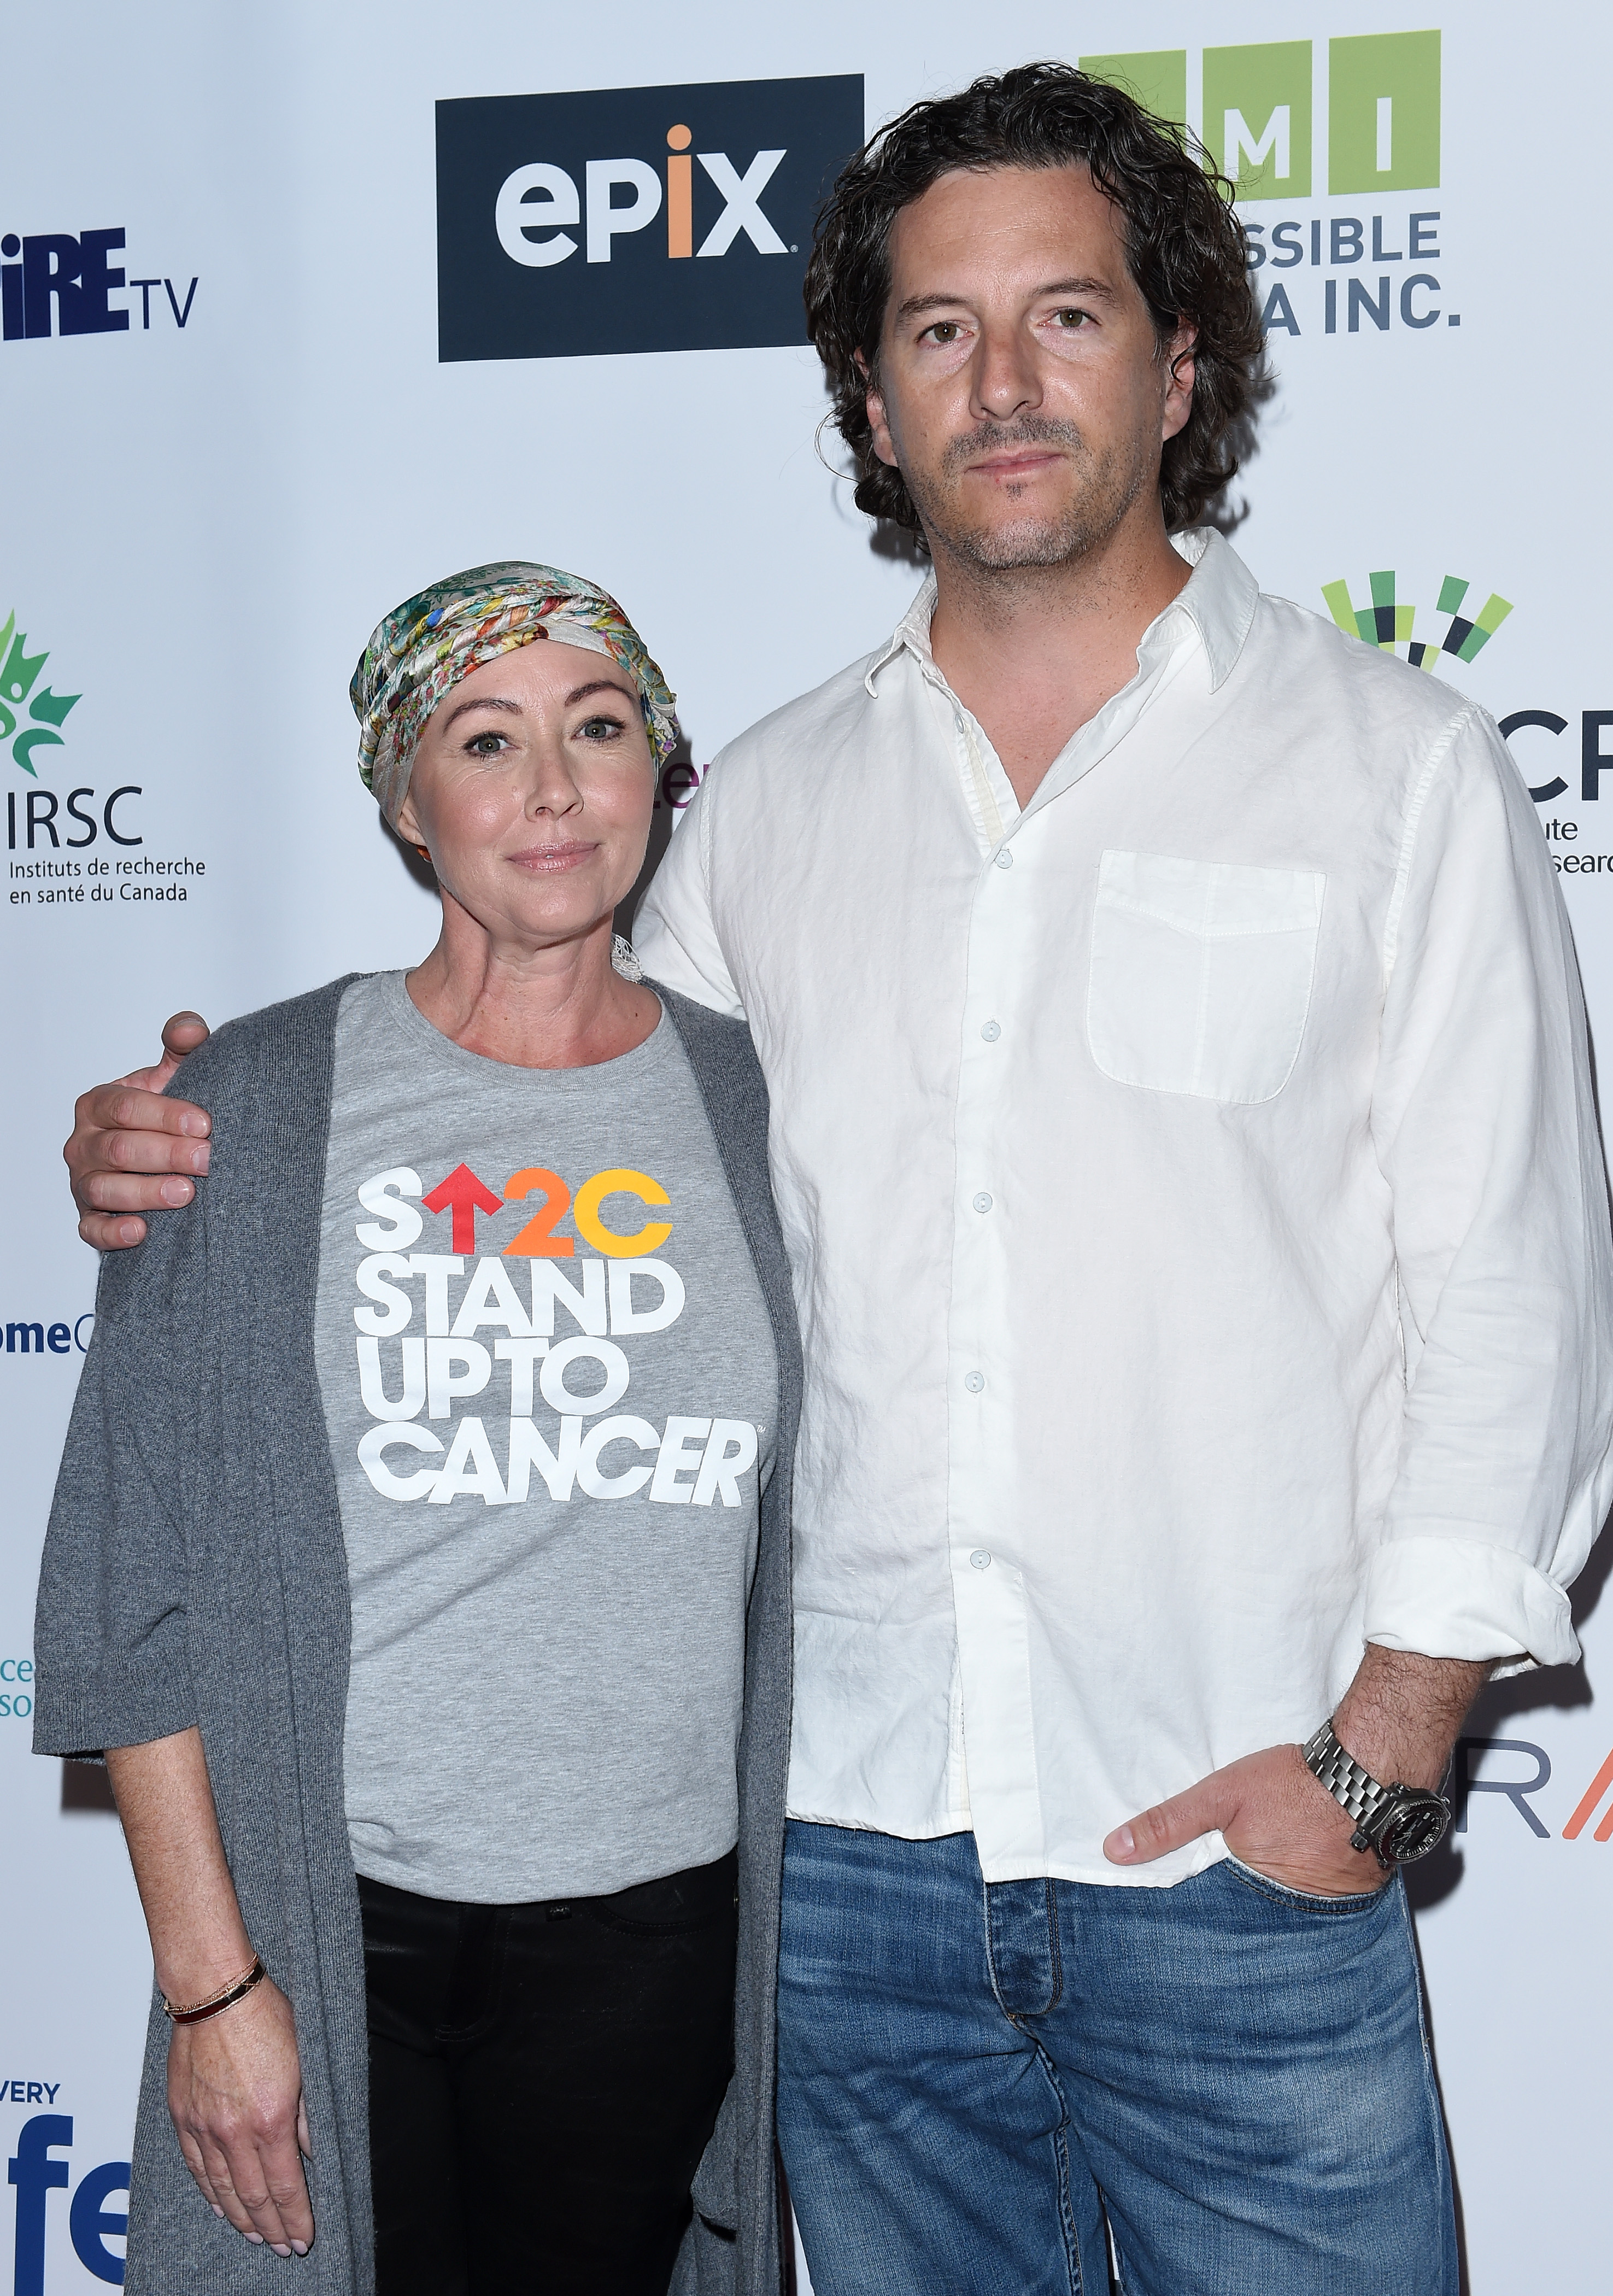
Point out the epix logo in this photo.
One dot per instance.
(1259, 109)
(633, 219)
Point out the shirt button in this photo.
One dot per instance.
(980, 1559)
(991, 1033)
(1005, 860)
(974, 1382)
(982, 1201)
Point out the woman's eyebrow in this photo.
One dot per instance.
(502, 701)
(597, 685)
(481, 701)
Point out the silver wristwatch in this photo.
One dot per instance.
(1397, 1824)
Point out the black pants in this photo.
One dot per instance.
(542, 2081)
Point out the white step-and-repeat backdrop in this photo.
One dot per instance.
(301, 306)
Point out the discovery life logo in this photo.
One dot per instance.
(633, 219)
(35, 2171)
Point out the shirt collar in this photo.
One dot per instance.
(1219, 600)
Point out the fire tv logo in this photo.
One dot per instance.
(633, 219)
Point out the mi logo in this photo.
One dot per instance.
(633, 219)
(1255, 108)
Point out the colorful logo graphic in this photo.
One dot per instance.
(19, 675)
(1386, 624)
(633, 219)
(412, 1366)
(1258, 107)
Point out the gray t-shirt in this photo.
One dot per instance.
(549, 1384)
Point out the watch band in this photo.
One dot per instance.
(1354, 1789)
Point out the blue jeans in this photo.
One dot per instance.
(972, 2077)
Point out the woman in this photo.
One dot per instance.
(423, 1523)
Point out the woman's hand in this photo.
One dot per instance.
(235, 2094)
(234, 2083)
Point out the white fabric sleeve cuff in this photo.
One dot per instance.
(1466, 1598)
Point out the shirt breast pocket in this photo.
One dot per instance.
(1201, 974)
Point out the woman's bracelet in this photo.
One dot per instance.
(226, 1996)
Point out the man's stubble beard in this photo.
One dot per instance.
(1110, 483)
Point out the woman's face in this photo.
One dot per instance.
(532, 790)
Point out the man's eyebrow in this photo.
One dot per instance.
(1097, 289)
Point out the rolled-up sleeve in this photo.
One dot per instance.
(111, 1646)
(1485, 1125)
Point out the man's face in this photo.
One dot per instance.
(1020, 388)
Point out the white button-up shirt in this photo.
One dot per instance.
(1194, 1194)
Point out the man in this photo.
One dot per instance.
(1183, 1136)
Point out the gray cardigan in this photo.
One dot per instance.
(194, 1574)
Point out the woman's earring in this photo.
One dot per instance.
(424, 852)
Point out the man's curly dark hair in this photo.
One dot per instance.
(1184, 249)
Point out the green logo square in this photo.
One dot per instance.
(1383, 113)
(1258, 118)
(1156, 77)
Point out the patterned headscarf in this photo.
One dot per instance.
(426, 645)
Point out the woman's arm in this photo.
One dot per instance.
(234, 2083)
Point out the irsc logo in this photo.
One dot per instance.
(37, 821)
(19, 672)
(633, 219)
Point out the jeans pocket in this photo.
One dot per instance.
(1305, 1901)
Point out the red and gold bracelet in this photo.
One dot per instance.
(226, 1996)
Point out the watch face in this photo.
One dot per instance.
(1415, 1828)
